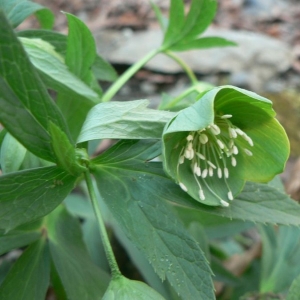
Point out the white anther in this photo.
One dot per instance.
(189, 138)
(203, 138)
(248, 139)
(183, 186)
(211, 171)
(232, 133)
(248, 152)
(233, 161)
(221, 145)
(224, 203)
(239, 131)
(204, 173)
(211, 164)
(195, 167)
(190, 146)
(200, 156)
(198, 172)
(230, 196)
(187, 153)
(235, 150)
(201, 195)
(226, 116)
(226, 173)
(215, 129)
(219, 172)
(181, 159)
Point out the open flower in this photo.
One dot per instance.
(226, 138)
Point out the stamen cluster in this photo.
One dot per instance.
(209, 152)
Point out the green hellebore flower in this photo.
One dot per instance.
(226, 138)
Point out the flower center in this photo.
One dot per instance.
(210, 151)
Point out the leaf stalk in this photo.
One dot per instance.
(115, 271)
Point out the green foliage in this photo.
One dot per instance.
(169, 232)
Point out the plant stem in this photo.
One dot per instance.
(127, 75)
(184, 66)
(115, 271)
(178, 98)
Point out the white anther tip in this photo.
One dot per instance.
(226, 116)
(230, 196)
(204, 173)
(201, 195)
(203, 138)
(189, 138)
(183, 187)
(224, 203)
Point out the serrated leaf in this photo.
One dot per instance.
(23, 80)
(54, 72)
(25, 128)
(281, 254)
(56, 39)
(65, 151)
(103, 70)
(12, 154)
(46, 18)
(81, 49)
(124, 120)
(17, 239)
(256, 203)
(29, 277)
(81, 278)
(294, 290)
(143, 265)
(163, 22)
(124, 288)
(202, 43)
(18, 10)
(130, 185)
(28, 195)
(176, 22)
(200, 16)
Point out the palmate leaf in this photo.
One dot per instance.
(28, 195)
(21, 87)
(256, 203)
(18, 10)
(203, 43)
(124, 120)
(53, 71)
(29, 277)
(128, 186)
(80, 277)
(81, 49)
(25, 128)
(102, 69)
(17, 239)
(183, 31)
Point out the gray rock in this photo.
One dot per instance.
(260, 56)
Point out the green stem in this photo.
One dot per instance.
(115, 271)
(184, 66)
(127, 75)
(178, 98)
